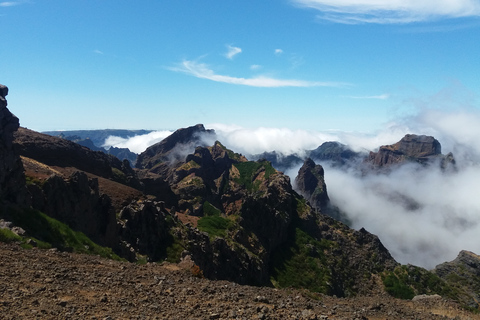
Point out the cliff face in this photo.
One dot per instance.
(416, 148)
(310, 183)
(12, 179)
(77, 202)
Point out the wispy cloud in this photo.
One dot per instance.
(392, 11)
(98, 51)
(202, 71)
(384, 96)
(9, 3)
(255, 67)
(278, 52)
(232, 51)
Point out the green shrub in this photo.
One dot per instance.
(215, 226)
(302, 264)
(396, 287)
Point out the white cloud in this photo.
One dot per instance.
(392, 11)
(384, 96)
(201, 70)
(137, 144)
(278, 52)
(232, 52)
(98, 51)
(255, 67)
(9, 3)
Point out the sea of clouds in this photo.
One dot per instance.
(424, 216)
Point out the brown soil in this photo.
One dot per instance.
(47, 284)
(120, 194)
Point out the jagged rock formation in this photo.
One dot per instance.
(174, 147)
(310, 183)
(12, 179)
(251, 215)
(77, 202)
(411, 148)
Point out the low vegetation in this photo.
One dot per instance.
(48, 232)
(407, 281)
(302, 264)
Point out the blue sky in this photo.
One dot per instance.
(350, 65)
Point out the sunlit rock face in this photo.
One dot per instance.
(417, 148)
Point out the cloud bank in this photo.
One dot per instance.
(202, 71)
(137, 144)
(391, 12)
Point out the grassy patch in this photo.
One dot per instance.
(247, 171)
(302, 264)
(215, 226)
(210, 210)
(57, 234)
(7, 235)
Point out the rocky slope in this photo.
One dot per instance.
(464, 274)
(49, 284)
(54, 151)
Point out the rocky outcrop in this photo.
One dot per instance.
(411, 148)
(175, 147)
(77, 202)
(12, 179)
(310, 183)
(146, 227)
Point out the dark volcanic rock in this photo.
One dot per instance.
(174, 147)
(310, 183)
(12, 179)
(77, 202)
(412, 147)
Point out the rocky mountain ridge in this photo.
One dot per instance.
(189, 200)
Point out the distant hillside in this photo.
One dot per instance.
(97, 136)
